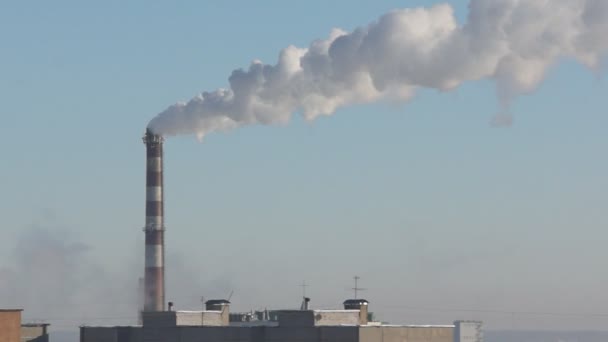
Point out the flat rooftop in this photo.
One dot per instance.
(34, 325)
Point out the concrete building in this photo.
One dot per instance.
(10, 325)
(350, 324)
(34, 332)
(216, 313)
(11, 329)
(468, 331)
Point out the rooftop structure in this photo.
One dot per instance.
(350, 324)
(34, 332)
(11, 329)
(10, 325)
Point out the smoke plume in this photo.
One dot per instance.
(55, 278)
(513, 42)
(52, 276)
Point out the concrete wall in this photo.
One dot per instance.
(99, 334)
(333, 318)
(221, 334)
(159, 318)
(271, 334)
(291, 334)
(468, 331)
(111, 334)
(184, 318)
(296, 318)
(203, 318)
(10, 325)
(405, 334)
(311, 318)
(215, 318)
(338, 334)
(34, 333)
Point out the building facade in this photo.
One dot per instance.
(10, 325)
(348, 325)
(34, 332)
(271, 334)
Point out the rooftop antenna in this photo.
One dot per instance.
(304, 286)
(229, 297)
(305, 299)
(357, 288)
(203, 302)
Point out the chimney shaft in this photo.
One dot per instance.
(154, 283)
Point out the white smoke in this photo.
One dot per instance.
(54, 277)
(513, 42)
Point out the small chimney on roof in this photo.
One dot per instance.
(358, 304)
(221, 305)
(305, 301)
(216, 304)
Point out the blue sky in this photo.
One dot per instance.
(429, 203)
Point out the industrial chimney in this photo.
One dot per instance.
(154, 280)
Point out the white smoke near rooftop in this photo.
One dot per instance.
(53, 276)
(513, 42)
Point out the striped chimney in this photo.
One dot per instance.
(154, 280)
